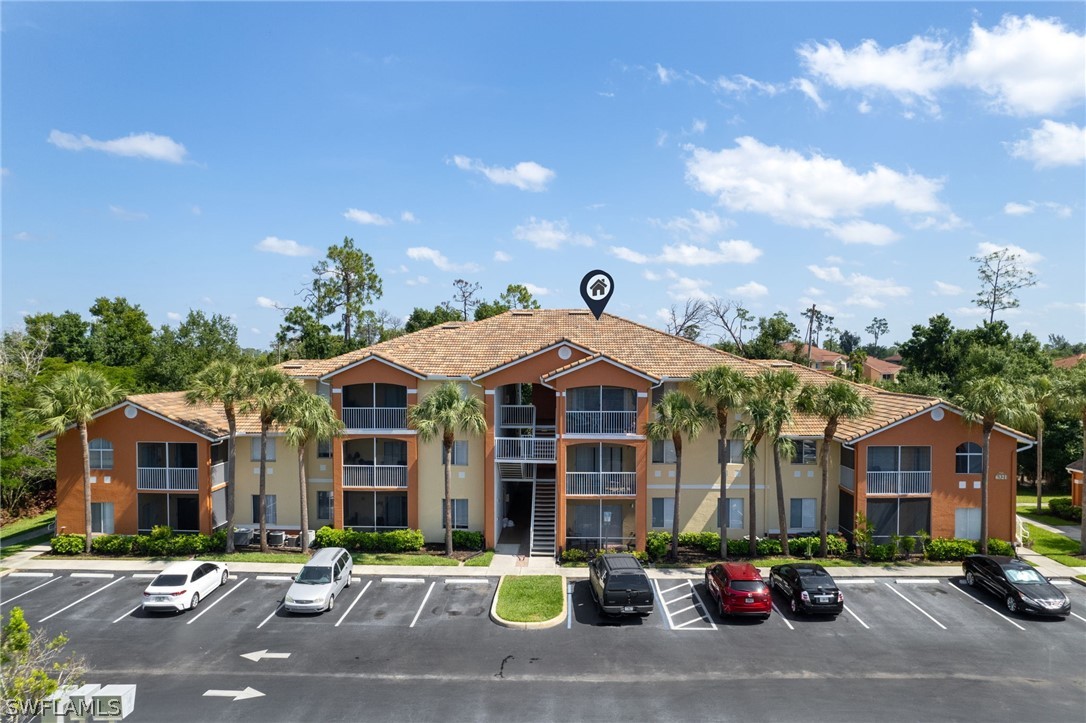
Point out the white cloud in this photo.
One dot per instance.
(862, 290)
(665, 75)
(651, 275)
(408, 217)
(808, 89)
(740, 84)
(284, 247)
(551, 235)
(1053, 144)
(536, 290)
(813, 291)
(417, 281)
(253, 330)
(173, 316)
(423, 253)
(126, 215)
(1019, 209)
(265, 303)
(142, 145)
(526, 175)
(699, 125)
(699, 225)
(827, 273)
(685, 288)
(809, 191)
(726, 252)
(834, 260)
(863, 106)
(630, 255)
(944, 289)
(864, 232)
(1029, 259)
(1022, 66)
(502, 257)
(661, 139)
(751, 290)
(366, 218)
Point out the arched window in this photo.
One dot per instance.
(101, 454)
(967, 458)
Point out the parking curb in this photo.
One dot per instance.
(1077, 581)
(527, 626)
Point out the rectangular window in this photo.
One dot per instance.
(459, 514)
(735, 513)
(806, 451)
(916, 459)
(967, 523)
(882, 459)
(460, 454)
(269, 509)
(102, 517)
(254, 449)
(324, 448)
(734, 451)
(802, 515)
(663, 452)
(101, 454)
(848, 457)
(324, 505)
(663, 512)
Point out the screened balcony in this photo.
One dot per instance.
(375, 462)
(375, 406)
(899, 470)
(167, 466)
(601, 410)
(600, 470)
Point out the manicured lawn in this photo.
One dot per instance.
(1030, 500)
(1050, 520)
(482, 560)
(1055, 546)
(8, 550)
(295, 557)
(28, 523)
(389, 558)
(530, 598)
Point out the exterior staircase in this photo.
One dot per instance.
(543, 518)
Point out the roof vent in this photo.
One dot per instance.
(292, 366)
(454, 325)
(579, 312)
(780, 364)
(521, 312)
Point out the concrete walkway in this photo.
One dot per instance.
(1072, 531)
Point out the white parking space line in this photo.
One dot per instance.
(667, 613)
(978, 602)
(217, 601)
(683, 610)
(786, 621)
(10, 599)
(569, 606)
(419, 611)
(58, 612)
(671, 589)
(106, 575)
(704, 608)
(1079, 617)
(854, 581)
(353, 603)
(30, 574)
(403, 579)
(466, 581)
(145, 575)
(273, 612)
(861, 622)
(929, 617)
(127, 614)
(917, 581)
(1061, 582)
(277, 578)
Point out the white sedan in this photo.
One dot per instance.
(182, 585)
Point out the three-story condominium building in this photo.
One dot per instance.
(564, 460)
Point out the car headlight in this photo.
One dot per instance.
(290, 599)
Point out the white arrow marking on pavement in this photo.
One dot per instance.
(235, 694)
(258, 655)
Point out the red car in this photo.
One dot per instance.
(738, 589)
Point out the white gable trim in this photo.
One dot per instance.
(544, 350)
(926, 410)
(601, 358)
(127, 403)
(371, 357)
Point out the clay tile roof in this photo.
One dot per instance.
(208, 420)
(822, 356)
(1069, 362)
(882, 366)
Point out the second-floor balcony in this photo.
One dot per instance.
(387, 476)
(899, 483)
(525, 449)
(375, 417)
(601, 483)
(602, 423)
(168, 479)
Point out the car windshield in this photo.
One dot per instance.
(812, 579)
(629, 582)
(747, 585)
(1024, 577)
(170, 581)
(314, 576)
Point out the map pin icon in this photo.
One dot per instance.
(596, 289)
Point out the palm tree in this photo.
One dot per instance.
(722, 387)
(757, 412)
(268, 390)
(1071, 388)
(782, 387)
(225, 383)
(1041, 396)
(832, 402)
(72, 398)
(446, 411)
(986, 401)
(306, 418)
(676, 415)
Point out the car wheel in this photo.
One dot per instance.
(195, 601)
(1012, 604)
(348, 580)
(792, 605)
(970, 580)
(225, 577)
(331, 602)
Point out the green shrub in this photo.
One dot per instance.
(467, 540)
(1062, 507)
(948, 549)
(160, 532)
(738, 548)
(217, 542)
(836, 545)
(705, 541)
(769, 546)
(390, 541)
(881, 553)
(657, 543)
(803, 546)
(641, 555)
(113, 545)
(68, 544)
(1000, 547)
(908, 544)
(330, 537)
(574, 554)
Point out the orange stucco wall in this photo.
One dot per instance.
(1076, 488)
(124, 434)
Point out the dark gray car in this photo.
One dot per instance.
(1021, 588)
(619, 585)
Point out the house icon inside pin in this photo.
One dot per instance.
(599, 288)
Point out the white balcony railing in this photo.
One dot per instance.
(517, 415)
(525, 449)
(218, 474)
(848, 478)
(170, 479)
(382, 475)
(375, 417)
(601, 422)
(601, 483)
(899, 483)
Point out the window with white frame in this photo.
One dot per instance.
(802, 513)
(734, 451)
(459, 514)
(805, 452)
(254, 449)
(101, 453)
(102, 517)
(270, 516)
(663, 512)
(663, 451)
(967, 458)
(735, 514)
(324, 504)
(459, 453)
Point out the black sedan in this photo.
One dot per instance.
(808, 587)
(1021, 588)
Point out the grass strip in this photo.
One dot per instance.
(530, 598)
(28, 523)
(482, 560)
(1055, 546)
(9, 550)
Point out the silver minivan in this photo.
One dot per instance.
(320, 581)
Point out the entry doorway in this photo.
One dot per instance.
(518, 511)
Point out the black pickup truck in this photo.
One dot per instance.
(620, 586)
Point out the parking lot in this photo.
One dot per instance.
(407, 646)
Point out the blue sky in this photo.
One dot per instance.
(855, 155)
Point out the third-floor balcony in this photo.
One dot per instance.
(167, 479)
(601, 483)
(603, 423)
(899, 483)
